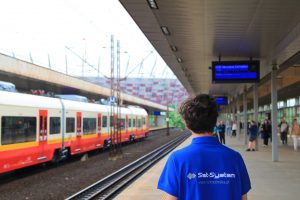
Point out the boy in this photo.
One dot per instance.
(205, 169)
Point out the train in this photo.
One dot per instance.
(38, 129)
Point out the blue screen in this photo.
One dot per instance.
(156, 113)
(221, 100)
(230, 71)
(234, 72)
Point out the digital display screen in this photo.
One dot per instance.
(156, 113)
(235, 72)
(221, 100)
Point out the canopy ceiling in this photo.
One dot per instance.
(203, 30)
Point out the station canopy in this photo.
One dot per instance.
(189, 35)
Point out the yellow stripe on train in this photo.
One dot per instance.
(18, 146)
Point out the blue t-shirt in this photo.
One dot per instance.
(205, 170)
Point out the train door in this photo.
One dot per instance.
(42, 133)
(136, 126)
(78, 131)
(126, 127)
(99, 125)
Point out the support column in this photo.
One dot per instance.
(274, 113)
(255, 108)
(238, 118)
(233, 110)
(245, 115)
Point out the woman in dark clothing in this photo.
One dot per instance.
(266, 126)
(221, 129)
(253, 129)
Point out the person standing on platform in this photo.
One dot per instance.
(267, 131)
(221, 129)
(234, 128)
(283, 127)
(205, 169)
(295, 133)
(216, 131)
(253, 130)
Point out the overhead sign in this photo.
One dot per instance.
(221, 100)
(112, 99)
(235, 71)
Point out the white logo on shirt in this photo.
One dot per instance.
(210, 175)
(215, 175)
(191, 176)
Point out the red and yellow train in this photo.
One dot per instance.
(37, 129)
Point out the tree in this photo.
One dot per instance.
(176, 120)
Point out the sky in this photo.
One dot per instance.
(73, 36)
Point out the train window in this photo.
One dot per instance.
(113, 121)
(133, 122)
(18, 130)
(70, 125)
(54, 125)
(104, 121)
(139, 124)
(129, 125)
(89, 126)
(144, 121)
(122, 124)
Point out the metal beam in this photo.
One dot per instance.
(245, 115)
(255, 106)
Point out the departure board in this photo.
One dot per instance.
(235, 72)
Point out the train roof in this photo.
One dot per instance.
(28, 100)
(34, 101)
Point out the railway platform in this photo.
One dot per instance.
(269, 180)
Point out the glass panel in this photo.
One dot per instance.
(112, 121)
(104, 121)
(78, 124)
(70, 125)
(54, 125)
(18, 130)
(129, 123)
(291, 102)
(99, 122)
(122, 124)
(41, 125)
(89, 126)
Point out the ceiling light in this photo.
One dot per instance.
(174, 48)
(152, 4)
(165, 30)
(179, 60)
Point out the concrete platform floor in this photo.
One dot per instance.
(270, 180)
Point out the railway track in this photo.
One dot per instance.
(111, 185)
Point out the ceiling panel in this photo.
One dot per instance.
(203, 30)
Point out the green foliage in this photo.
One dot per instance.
(176, 120)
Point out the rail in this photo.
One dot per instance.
(111, 185)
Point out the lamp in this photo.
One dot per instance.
(173, 48)
(152, 4)
(179, 60)
(165, 30)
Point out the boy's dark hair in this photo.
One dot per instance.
(199, 113)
